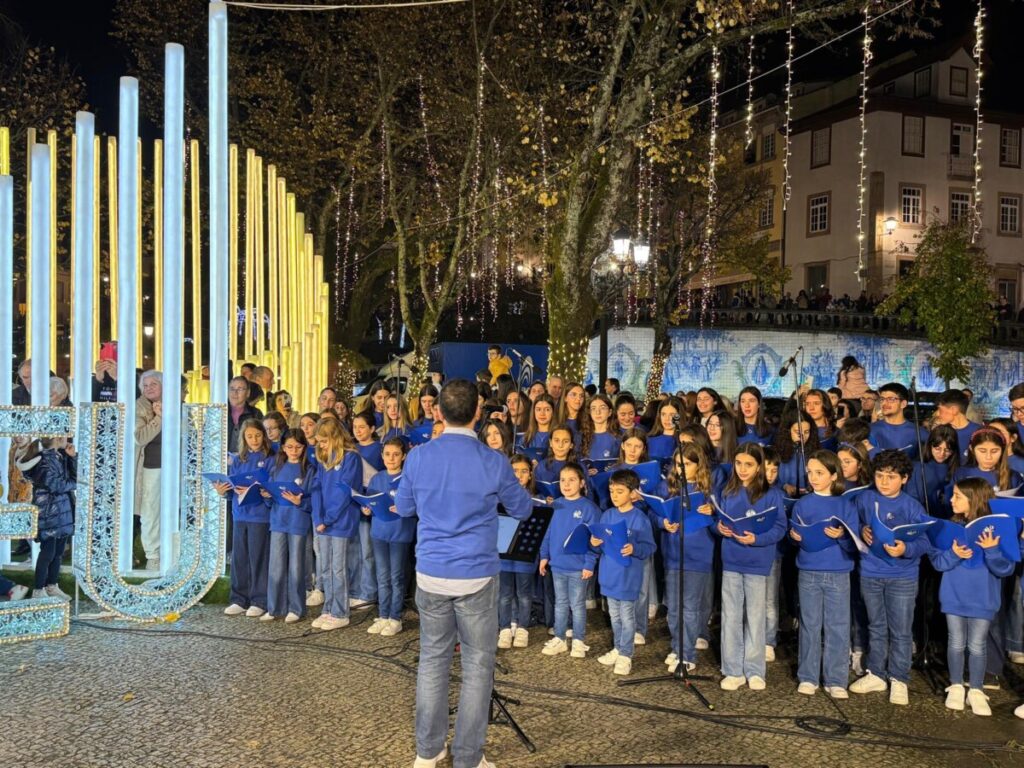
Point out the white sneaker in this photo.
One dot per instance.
(807, 689)
(955, 696)
(690, 666)
(521, 639)
(1016, 657)
(639, 639)
(671, 659)
(392, 628)
(377, 626)
(732, 683)
(234, 610)
(591, 605)
(39, 594)
(551, 631)
(856, 658)
(898, 693)
(757, 683)
(291, 618)
(267, 617)
(769, 653)
(870, 683)
(623, 665)
(505, 638)
(579, 649)
(355, 602)
(332, 622)
(1019, 712)
(652, 611)
(484, 763)
(19, 592)
(153, 565)
(254, 612)
(837, 692)
(316, 597)
(979, 703)
(430, 762)
(609, 658)
(568, 634)
(554, 646)
(701, 644)
(53, 590)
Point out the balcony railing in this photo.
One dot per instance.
(961, 167)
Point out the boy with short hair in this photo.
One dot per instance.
(951, 408)
(620, 583)
(892, 430)
(497, 363)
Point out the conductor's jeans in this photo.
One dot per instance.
(472, 621)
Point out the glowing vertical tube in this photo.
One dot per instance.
(51, 146)
(6, 314)
(220, 322)
(39, 299)
(127, 277)
(30, 142)
(5, 151)
(172, 318)
(282, 268)
(259, 262)
(84, 257)
(158, 254)
(97, 234)
(74, 248)
(233, 251)
(112, 229)
(197, 263)
(251, 232)
(140, 354)
(272, 278)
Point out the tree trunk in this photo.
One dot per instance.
(662, 350)
(572, 312)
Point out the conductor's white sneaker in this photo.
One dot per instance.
(430, 762)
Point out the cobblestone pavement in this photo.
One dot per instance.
(177, 695)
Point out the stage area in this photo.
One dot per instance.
(180, 696)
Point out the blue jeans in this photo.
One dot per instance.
(890, 607)
(824, 606)
(743, 611)
(6, 585)
(647, 588)
(694, 610)
(771, 604)
(858, 615)
(570, 593)
(334, 575)
(1014, 606)
(250, 551)
(390, 560)
(362, 575)
(622, 612)
(515, 599)
(51, 551)
(286, 586)
(313, 578)
(472, 621)
(972, 635)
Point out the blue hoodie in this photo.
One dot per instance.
(402, 530)
(623, 582)
(334, 506)
(604, 445)
(454, 484)
(371, 454)
(749, 435)
(290, 518)
(900, 510)
(253, 513)
(793, 472)
(970, 592)
(898, 437)
(756, 558)
(931, 484)
(815, 508)
(569, 514)
(698, 547)
(990, 477)
(548, 471)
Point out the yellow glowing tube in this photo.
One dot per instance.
(233, 249)
(30, 140)
(284, 336)
(97, 237)
(325, 338)
(51, 143)
(139, 292)
(260, 265)
(295, 330)
(250, 222)
(272, 278)
(112, 231)
(197, 266)
(5, 151)
(158, 254)
(301, 273)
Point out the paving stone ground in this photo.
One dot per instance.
(181, 696)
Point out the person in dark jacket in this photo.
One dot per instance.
(51, 465)
(239, 410)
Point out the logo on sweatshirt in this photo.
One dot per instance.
(298, 481)
(392, 492)
(890, 516)
(750, 513)
(577, 514)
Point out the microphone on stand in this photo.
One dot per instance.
(792, 361)
(516, 352)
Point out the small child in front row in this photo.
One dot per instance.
(570, 572)
(772, 601)
(392, 543)
(746, 562)
(515, 580)
(824, 580)
(620, 583)
(970, 595)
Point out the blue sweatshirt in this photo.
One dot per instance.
(335, 507)
(454, 484)
(604, 445)
(814, 508)
(548, 471)
(254, 513)
(569, 514)
(748, 435)
(402, 530)
(395, 432)
(287, 517)
(901, 510)
(899, 437)
(661, 445)
(756, 558)
(698, 547)
(623, 582)
(793, 472)
(539, 440)
(971, 592)
(828, 442)
(931, 484)
(963, 438)
(992, 478)
(371, 453)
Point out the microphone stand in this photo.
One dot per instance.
(926, 660)
(680, 675)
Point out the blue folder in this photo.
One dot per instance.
(668, 508)
(546, 488)
(420, 434)
(661, 447)
(853, 493)
(693, 520)
(578, 541)
(601, 465)
(379, 503)
(649, 473)
(752, 521)
(534, 454)
(1006, 527)
(883, 534)
(1008, 503)
(507, 527)
(275, 488)
(615, 536)
(599, 488)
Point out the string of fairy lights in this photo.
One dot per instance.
(979, 37)
(787, 152)
(862, 158)
(748, 132)
(707, 242)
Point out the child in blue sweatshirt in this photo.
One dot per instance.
(571, 572)
(515, 582)
(289, 526)
(888, 580)
(746, 562)
(772, 602)
(970, 594)
(824, 580)
(335, 518)
(561, 450)
(620, 582)
(369, 447)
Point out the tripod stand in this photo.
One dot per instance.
(680, 675)
(498, 714)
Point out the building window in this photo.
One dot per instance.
(922, 83)
(817, 278)
(750, 153)
(913, 135)
(958, 81)
(821, 147)
(904, 267)
(889, 88)
(1009, 214)
(768, 146)
(959, 206)
(766, 215)
(818, 221)
(1009, 147)
(1007, 289)
(911, 204)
